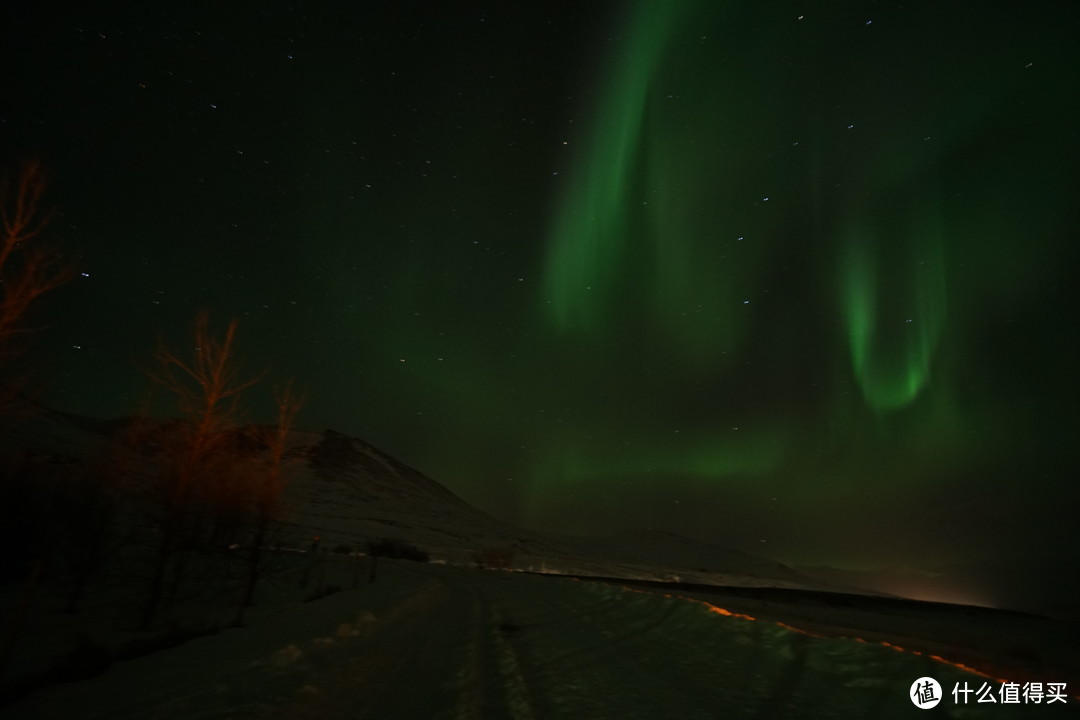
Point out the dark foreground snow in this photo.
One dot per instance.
(437, 642)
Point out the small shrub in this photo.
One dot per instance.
(397, 549)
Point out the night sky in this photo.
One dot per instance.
(795, 277)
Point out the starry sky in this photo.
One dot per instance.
(795, 277)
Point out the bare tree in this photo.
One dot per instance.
(200, 467)
(268, 488)
(28, 268)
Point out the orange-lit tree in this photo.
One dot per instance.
(268, 486)
(201, 479)
(28, 268)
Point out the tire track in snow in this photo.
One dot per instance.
(518, 698)
(489, 680)
(358, 676)
(496, 645)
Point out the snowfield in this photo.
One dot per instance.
(671, 635)
(432, 641)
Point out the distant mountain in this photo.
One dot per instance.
(695, 557)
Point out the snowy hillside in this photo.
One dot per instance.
(347, 492)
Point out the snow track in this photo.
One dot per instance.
(441, 643)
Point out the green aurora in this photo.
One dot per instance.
(753, 272)
(727, 194)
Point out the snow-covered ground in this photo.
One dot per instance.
(448, 640)
(426, 641)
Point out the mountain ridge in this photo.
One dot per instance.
(349, 494)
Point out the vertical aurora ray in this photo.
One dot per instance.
(665, 228)
(893, 299)
(588, 240)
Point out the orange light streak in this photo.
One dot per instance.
(716, 609)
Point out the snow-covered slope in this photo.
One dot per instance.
(348, 493)
(689, 560)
